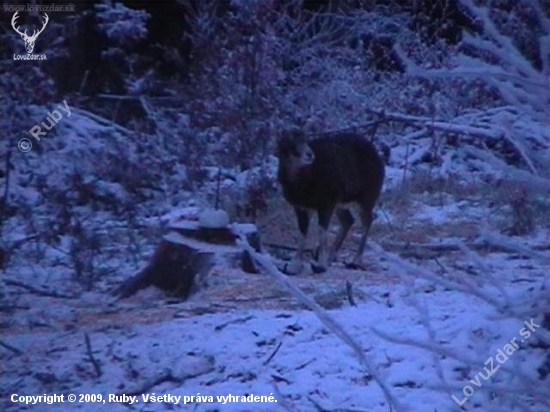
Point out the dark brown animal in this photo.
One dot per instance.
(328, 174)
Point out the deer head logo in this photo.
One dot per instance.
(29, 40)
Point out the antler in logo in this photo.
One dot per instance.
(29, 40)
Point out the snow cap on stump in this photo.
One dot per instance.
(214, 219)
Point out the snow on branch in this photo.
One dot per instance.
(265, 262)
(517, 381)
(535, 183)
(430, 124)
(529, 146)
(443, 351)
(411, 270)
(508, 244)
(519, 82)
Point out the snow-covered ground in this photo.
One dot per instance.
(244, 335)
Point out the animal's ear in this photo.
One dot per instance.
(285, 138)
(294, 134)
(289, 139)
(282, 143)
(281, 139)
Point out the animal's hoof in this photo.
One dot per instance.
(288, 272)
(292, 269)
(354, 266)
(318, 268)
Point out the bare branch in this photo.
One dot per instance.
(265, 262)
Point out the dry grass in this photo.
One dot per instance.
(505, 207)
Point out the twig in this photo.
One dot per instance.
(84, 81)
(303, 365)
(11, 348)
(233, 321)
(273, 353)
(349, 292)
(150, 114)
(97, 368)
(520, 152)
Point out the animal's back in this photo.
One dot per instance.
(347, 167)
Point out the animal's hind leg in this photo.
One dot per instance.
(295, 267)
(346, 221)
(366, 220)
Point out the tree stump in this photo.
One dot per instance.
(188, 250)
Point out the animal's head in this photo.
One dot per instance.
(293, 150)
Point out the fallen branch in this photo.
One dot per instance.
(37, 291)
(430, 124)
(422, 250)
(509, 245)
(102, 121)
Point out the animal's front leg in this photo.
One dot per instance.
(325, 214)
(297, 263)
(323, 258)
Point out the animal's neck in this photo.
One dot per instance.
(301, 175)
